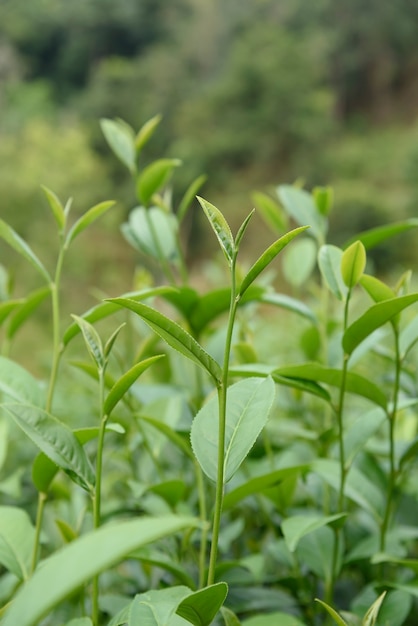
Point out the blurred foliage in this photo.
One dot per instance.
(252, 94)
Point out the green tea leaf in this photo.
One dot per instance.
(373, 318)
(242, 229)
(21, 247)
(408, 337)
(55, 440)
(329, 261)
(337, 618)
(121, 138)
(189, 196)
(291, 304)
(88, 218)
(126, 381)
(300, 205)
(299, 261)
(248, 406)
(373, 612)
(200, 607)
(6, 308)
(324, 199)
(56, 207)
(229, 617)
(83, 559)
(104, 309)
(257, 484)
(354, 382)
(277, 618)
(360, 432)
(157, 607)
(267, 257)
(174, 335)
(92, 341)
(376, 289)
(175, 438)
(160, 559)
(80, 621)
(17, 537)
(353, 262)
(153, 232)
(270, 210)
(146, 131)
(297, 526)
(375, 236)
(21, 313)
(154, 177)
(220, 227)
(17, 384)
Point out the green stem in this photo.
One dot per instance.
(98, 491)
(56, 355)
(222, 396)
(39, 515)
(392, 465)
(203, 518)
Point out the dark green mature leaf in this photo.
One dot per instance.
(375, 236)
(201, 607)
(80, 621)
(354, 382)
(174, 335)
(17, 536)
(55, 440)
(257, 484)
(17, 243)
(153, 177)
(56, 207)
(21, 313)
(329, 261)
(18, 384)
(104, 309)
(220, 227)
(146, 131)
(160, 559)
(353, 262)
(189, 196)
(88, 218)
(248, 406)
(83, 559)
(297, 526)
(7, 307)
(121, 138)
(373, 318)
(267, 257)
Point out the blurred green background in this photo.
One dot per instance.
(253, 93)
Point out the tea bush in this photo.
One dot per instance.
(228, 455)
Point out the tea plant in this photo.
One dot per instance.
(247, 451)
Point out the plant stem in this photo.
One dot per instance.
(203, 517)
(98, 491)
(392, 466)
(222, 397)
(39, 515)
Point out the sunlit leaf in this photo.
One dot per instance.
(329, 261)
(55, 206)
(121, 138)
(154, 177)
(220, 227)
(353, 262)
(146, 131)
(21, 247)
(88, 218)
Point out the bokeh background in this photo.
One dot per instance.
(253, 93)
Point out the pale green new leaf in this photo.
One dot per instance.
(247, 410)
(373, 612)
(373, 318)
(56, 207)
(92, 341)
(300, 205)
(55, 440)
(267, 257)
(353, 262)
(299, 261)
(200, 607)
(17, 536)
(270, 210)
(146, 131)
(28, 305)
(174, 335)
(156, 607)
(121, 138)
(278, 618)
(88, 218)
(377, 290)
(375, 236)
(329, 261)
(337, 618)
(189, 196)
(83, 559)
(220, 227)
(242, 229)
(17, 243)
(154, 177)
(7, 307)
(126, 381)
